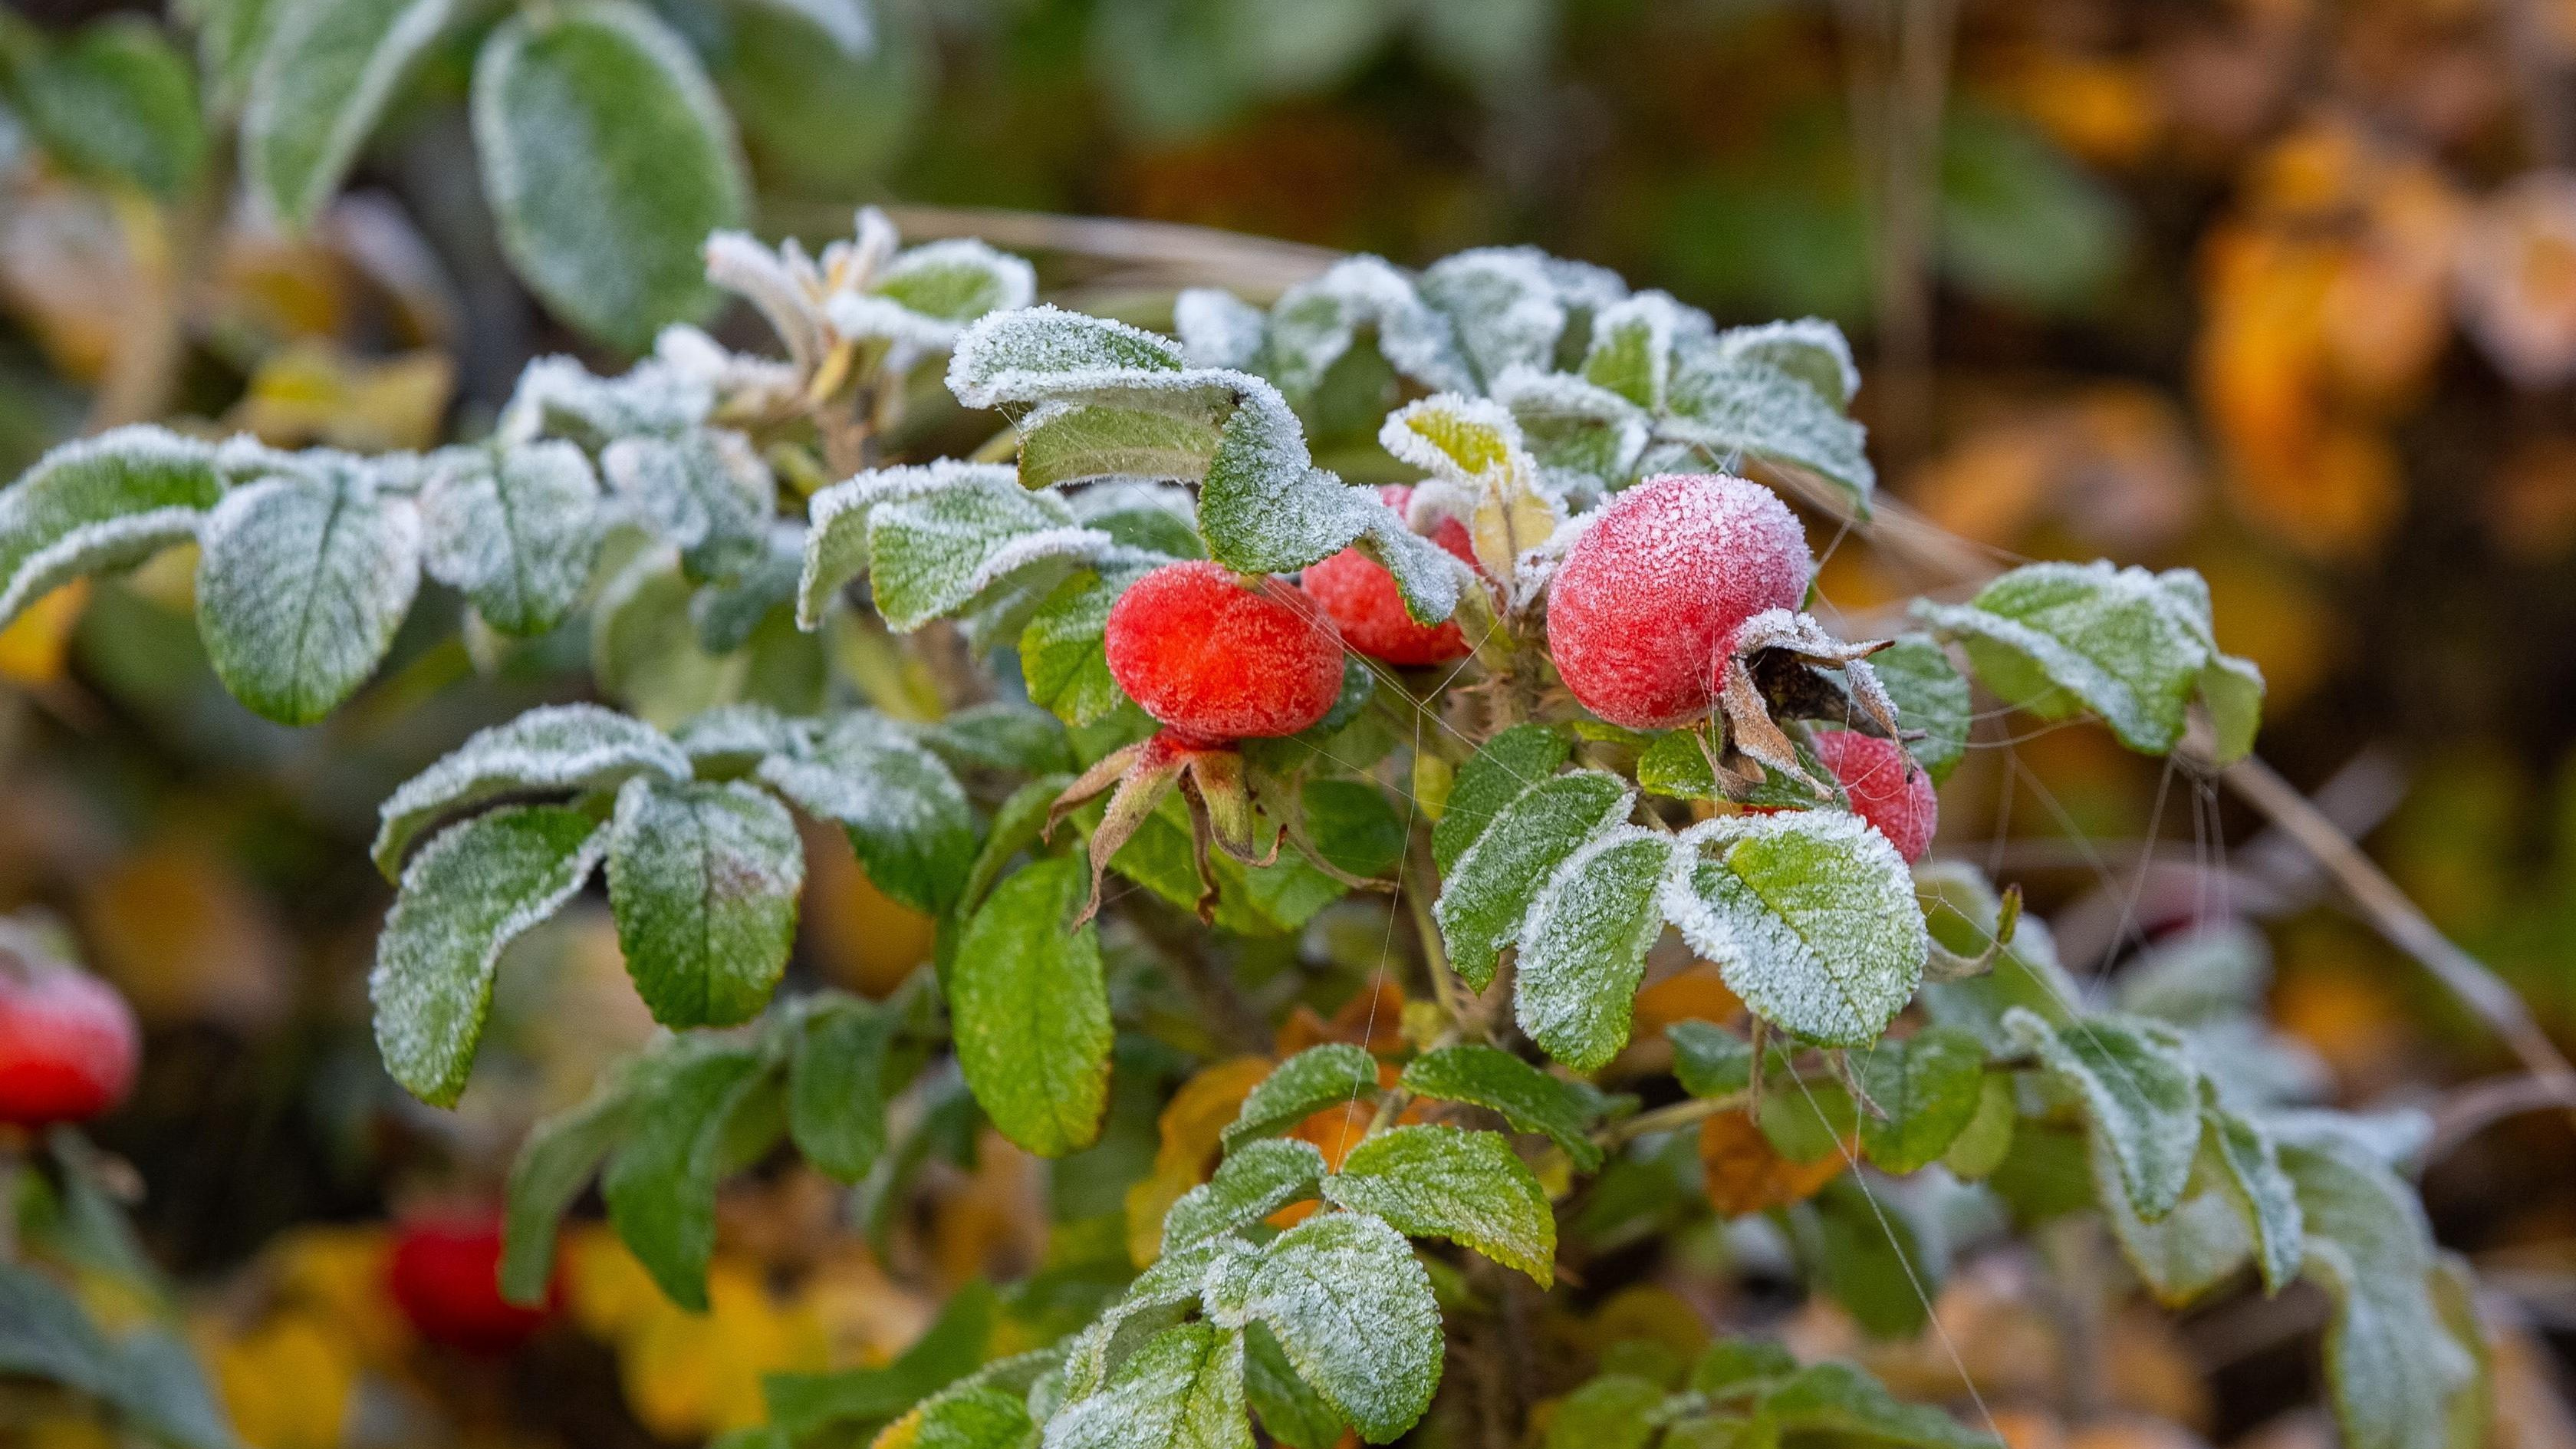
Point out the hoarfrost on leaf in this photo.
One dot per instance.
(558, 397)
(1488, 893)
(1446, 1182)
(703, 881)
(905, 813)
(303, 582)
(1583, 945)
(2140, 1094)
(1306, 1083)
(517, 533)
(98, 504)
(1219, 329)
(1255, 1180)
(1352, 1308)
(1182, 1390)
(560, 747)
(1529, 1099)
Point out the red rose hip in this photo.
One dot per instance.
(444, 1275)
(1218, 659)
(1885, 786)
(1641, 618)
(67, 1044)
(1360, 597)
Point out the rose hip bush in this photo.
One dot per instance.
(1553, 711)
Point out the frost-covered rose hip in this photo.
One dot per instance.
(1217, 659)
(67, 1044)
(444, 1275)
(1641, 618)
(1360, 597)
(1885, 786)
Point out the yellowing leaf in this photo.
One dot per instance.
(1746, 1174)
(865, 940)
(315, 393)
(287, 1384)
(1191, 1127)
(32, 648)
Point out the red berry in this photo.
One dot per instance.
(1642, 615)
(1218, 659)
(67, 1044)
(445, 1276)
(1886, 787)
(1359, 595)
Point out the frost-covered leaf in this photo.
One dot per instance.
(1930, 695)
(301, 587)
(1352, 1309)
(99, 504)
(1077, 442)
(1002, 736)
(1160, 518)
(1588, 440)
(1031, 1011)
(1963, 911)
(2394, 1365)
(1729, 408)
(836, 1090)
(1152, 1301)
(1809, 349)
(1219, 329)
(1062, 657)
(1290, 1409)
(1316, 323)
(560, 747)
(975, 1418)
(660, 1184)
(1633, 340)
(702, 491)
(703, 880)
(516, 533)
(1182, 1390)
(1529, 1099)
(927, 295)
(1584, 943)
(1708, 1059)
(1473, 446)
(554, 1164)
(558, 397)
(2139, 1091)
(607, 158)
(2251, 1162)
(1929, 1085)
(1841, 1402)
(1810, 917)
(1318, 1077)
(473, 890)
(1504, 304)
(330, 69)
(934, 537)
(1445, 1182)
(1509, 763)
(2190, 1250)
(906, 815)
(1256, 1179)
(1488, 893)
(2209, 974)
(2130, 646)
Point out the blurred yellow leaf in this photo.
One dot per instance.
(688, 1375)
(187, 938)
(33, 647)
(865, 940)
(287, 1383)
(2111, 465)
(337, 1275)
(1191, 1126)
(313, 392)
(1746, 1174)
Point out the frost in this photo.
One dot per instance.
(2251, 1161)
(703, 880)
(301, 588)
(1509, 763)
(935, 537)
(1529, 1099)
(1182, 1390)
(563, 747)
(1219, 329)
(1315, 324)
(1726, 408)
(1304, 1084)
(1810, 349)
(2207, 974)
(322, 83)
(472, 891)
(741, 382)
(1352, 1308)
(1632, 346)
(1140, 514)
(517, 534)
(1584, 944)
(1505, 305)
(1810, 917)
(1472, 449)
(924, 297)
(704, 492)
(1487, 895)
(1038, 354)
(558, 397)
(905, 814)
(1173, 1281)
(1255, 1180)
(98, 504)
(1445, 1182)
(2139, 1091)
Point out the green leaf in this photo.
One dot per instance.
(552, 1167)
(1732, 1367)
(553, 748)
(607, 159)
(703, 880)
(1353, 1311)
(935, 537)
(661, 1182)
(1982, 1145)
(99, 504)
(303, 583)
(1724, 407)
(836, 1089)
(1529, 1099)
(1510, 763)
(1031, 1011)
(1583, 948)
(1929, 1086)
(976, 1418)
(1962, 912)
(1676, 766)
(1488, 894)
(1316, 1078)
(1078, 442)
(945, 284)
(1255, 1180)
(1931, 696)
(646, 649)
(2251, 1166)
(1710, 1060)
(946, 1353)
(114, 102)
(2190, 1250)
(2140, 1095)
(1614, 1411)
(1182, 1390)
(1062, 658)
(516, 534)
(1001, 736)
(43, 1332)
(324, 81)
(1810, 917)
(1446, 1182)
(906, 815)
(1841, 1401)
(1809, 349)
(165, 1393)
(1354, 826)
(704, 492)
(2206, 975)
(469, 893)
(1292, 1412)
(2130, 646)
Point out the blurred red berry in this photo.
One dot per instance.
(1218, 659)
(1360, 597)
(445, 1276)
(67, 1044)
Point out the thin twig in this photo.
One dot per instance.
(1687, 1113)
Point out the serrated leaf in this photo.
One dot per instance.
(1839, 1400)
(2140, 1095)
(1352, 1309)
(702, 491)
(1256, 1179)
(1062, 658)
(516, 534)
(1503, 304)
(1588, 440)
(1291, 1411)
(1306, 1083)
(330, 69)
(554, 1164)
(2128, 645)
(2251, 1164)
(836, 1090)
(1031, 1011)
(975, 1418)
(99, 504)
(1446, 1182)
(1631, 352)
(561, 747)
(906, 815)
(1315, 324)
(1529, 1099)
(1809, 349)
(607, 158)
(2190, 1250)
(661, 1182)
(1930, 695)
(1710, 1060)
(1182, 1390)
(470, 892)
(1929, 1086)
(933, 538)
(703, 880)
(1474, 445)
(1487, 895)
(1509, 763)
(303, 582)
(1731, 407)
(1584, 943)
(1810, 917)
(114, 102)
